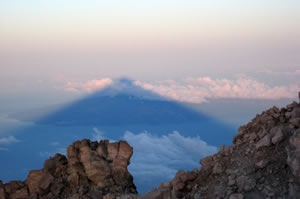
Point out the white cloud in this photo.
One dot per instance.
(8, 124)
(198, 90)
(97, 135)
(8, 140)
(157, 158)
(89, 86)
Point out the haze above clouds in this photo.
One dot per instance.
(44, 44)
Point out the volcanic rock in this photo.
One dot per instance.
(87, 173)
(263, 162)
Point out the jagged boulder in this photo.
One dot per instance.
(263, 162)
(104, 163)
(92, 170)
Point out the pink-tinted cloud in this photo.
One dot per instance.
(89, 86)
(198, 90)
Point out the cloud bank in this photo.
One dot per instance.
(156, 159)
(201, 89)
(89, 86)
(198, 90)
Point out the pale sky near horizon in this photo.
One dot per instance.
(45, 45)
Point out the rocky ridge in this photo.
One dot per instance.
(263, 162)
(92, 170)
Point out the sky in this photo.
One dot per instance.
(46, 46)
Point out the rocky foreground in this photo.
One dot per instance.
(263, 162)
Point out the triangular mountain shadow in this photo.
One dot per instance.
(121, 107)
(123, 103)
(125, 106)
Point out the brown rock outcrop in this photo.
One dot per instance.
(92, 170)
(263, 162)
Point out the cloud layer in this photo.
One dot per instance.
(198, 90)
(156, 159)
(89, 86)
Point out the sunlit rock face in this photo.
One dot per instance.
(92, 170)
(263, 162)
